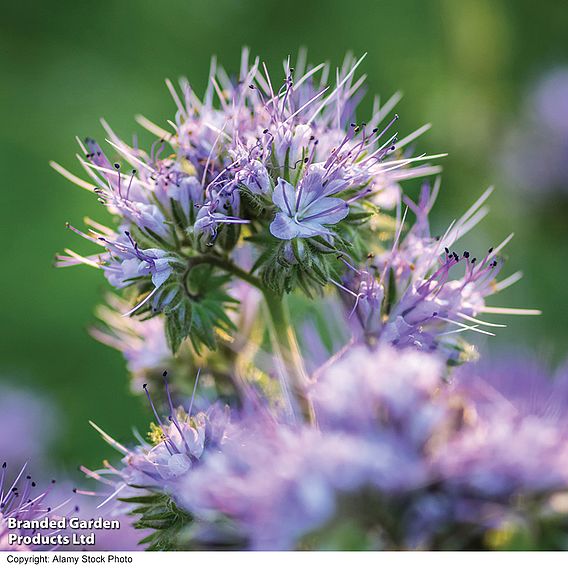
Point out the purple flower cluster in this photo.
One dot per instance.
(261, 191)
(287, 166)
(282, 481)
(424, 454)
(176, 444)
(21, 501)
(536, 144)
(519, 407)
(36, 420)
(37, 498)
(421, 292)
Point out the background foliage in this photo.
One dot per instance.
(464, 66)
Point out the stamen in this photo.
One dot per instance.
(511, 311)
(173, 416)
(194, 391)
(167, 439)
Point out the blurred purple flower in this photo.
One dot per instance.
(141, 341)
(33, 419)
(535, 152)
(281, 482)
(518, 445)
(21, 501)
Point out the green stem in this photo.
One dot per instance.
(283, 337)
(286, 348)
(224, 264)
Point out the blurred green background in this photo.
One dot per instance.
(462, 65)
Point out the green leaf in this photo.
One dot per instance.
(149, 498)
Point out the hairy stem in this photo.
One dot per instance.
(223, 264)
(283, 337)
(286, 348)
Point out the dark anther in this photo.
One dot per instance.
(490, 250)
(466, 254)
(144, 385)
(447, 250)
(117, 165)
(165, 374)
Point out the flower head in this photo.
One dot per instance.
(304, 213)
(286, 169)
(34, 417)
(175, 446)
(21, 502)
(280, 482)
(141, 341)
(414, 294)
(519, 406)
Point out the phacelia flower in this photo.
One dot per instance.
(535, 146)
(414, 451)
(280, 168)
(281, 482)
(176, 445)
(124, 262)
(304, 213)
(21, 502)
(33, 416)
(413, 295)
(519, 406)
